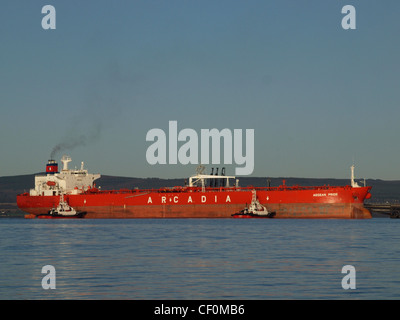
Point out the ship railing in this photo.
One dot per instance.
(297, 187)
(215, 189)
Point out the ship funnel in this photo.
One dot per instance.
(51, 167)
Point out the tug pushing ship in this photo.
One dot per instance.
(63, 210)
(255, 210)
(205, 196)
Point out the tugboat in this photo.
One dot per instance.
(63, 210)
(255, 210)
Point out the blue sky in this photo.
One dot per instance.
(318, 97)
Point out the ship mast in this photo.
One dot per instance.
(353, 183)
(65, 160)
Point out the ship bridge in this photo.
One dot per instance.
(66, 181)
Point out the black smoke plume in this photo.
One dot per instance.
(101, 106)
(77, 141)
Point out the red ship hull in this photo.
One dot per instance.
(344, 202)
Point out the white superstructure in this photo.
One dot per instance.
(65, 182)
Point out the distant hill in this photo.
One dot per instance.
(382, 190)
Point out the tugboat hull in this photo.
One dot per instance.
(252, 215)
(78, 215)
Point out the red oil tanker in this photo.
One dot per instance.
(195, 200)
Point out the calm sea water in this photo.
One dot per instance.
(200, 258)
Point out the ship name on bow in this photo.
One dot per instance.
(333, 194)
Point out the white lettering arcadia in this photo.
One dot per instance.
(175, 199)
(189, 152)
